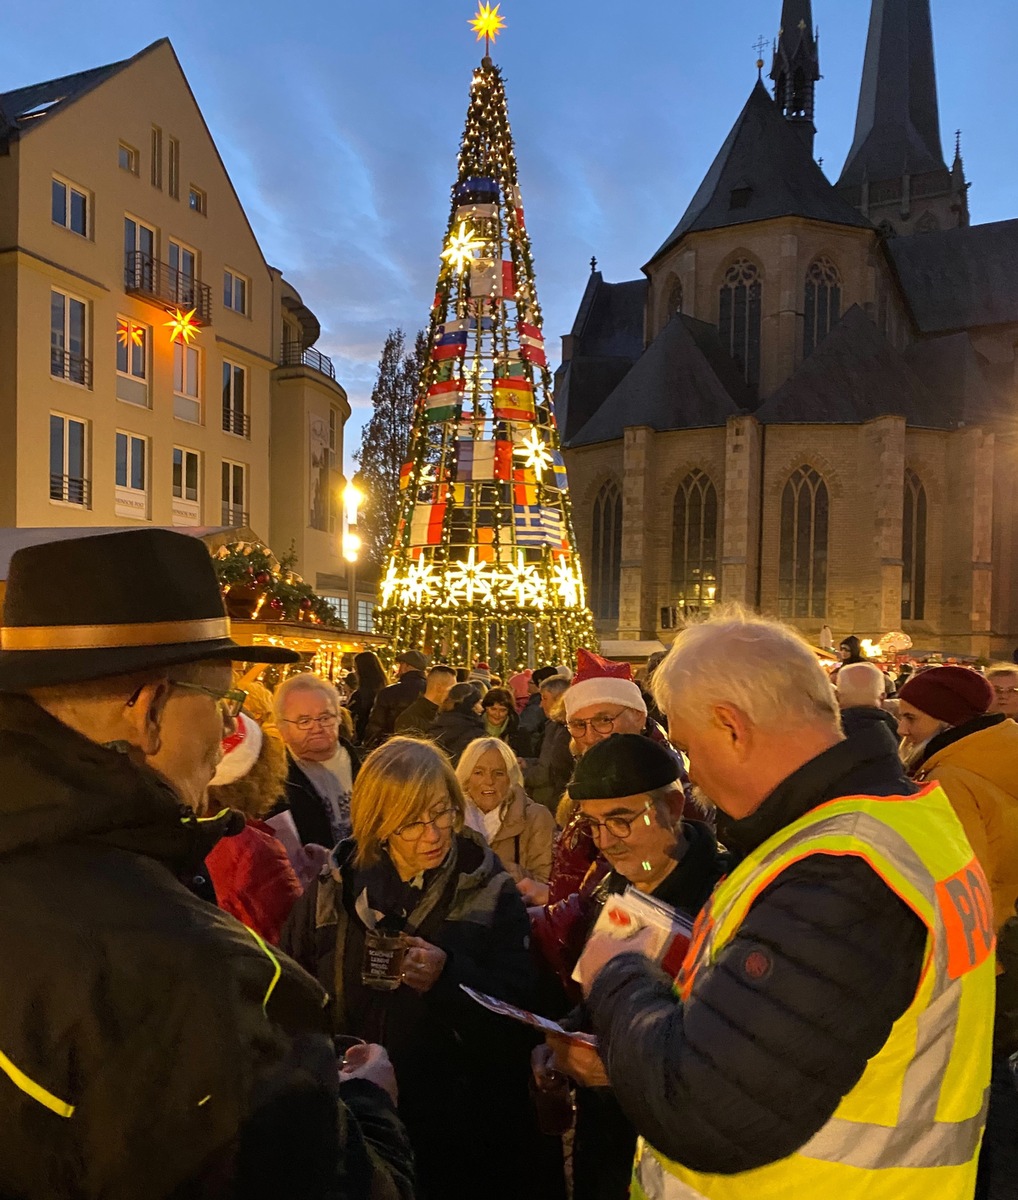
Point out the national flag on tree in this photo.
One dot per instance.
(536, 525)
(404, 475)
(513, 400)
(558, 467)
(426, 524)
(444, 401)
(524, 486)
(481, 460)
(476, 212)
(510, 366)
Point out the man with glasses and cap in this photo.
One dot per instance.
(150, 1045)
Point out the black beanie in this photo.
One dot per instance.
(625, 764)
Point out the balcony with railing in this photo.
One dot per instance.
(294, 355)
(234, 516)
(72, 367)
(236, 421)
(151, 279)
(70, 489)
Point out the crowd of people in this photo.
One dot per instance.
(239, 924)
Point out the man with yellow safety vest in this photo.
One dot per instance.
(829, 1033)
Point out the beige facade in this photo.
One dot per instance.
(115, 212)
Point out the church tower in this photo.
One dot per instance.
(796, 68)
(895, 173)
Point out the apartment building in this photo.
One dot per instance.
(156, 369)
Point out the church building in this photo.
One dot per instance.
(806, 404)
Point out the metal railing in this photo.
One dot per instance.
(233, 516)
(70, 489)
(64, 365)
(147, 276)
(235, 421)
(294, 355)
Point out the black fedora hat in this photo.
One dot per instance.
(93, 607)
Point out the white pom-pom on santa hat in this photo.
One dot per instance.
(240, 751)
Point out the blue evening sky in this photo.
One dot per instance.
(340, 123)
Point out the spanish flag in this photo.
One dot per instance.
(513, 400)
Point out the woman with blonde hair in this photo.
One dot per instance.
(520, 831)
(411, 870)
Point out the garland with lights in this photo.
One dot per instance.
(256, 586)
(483, 562)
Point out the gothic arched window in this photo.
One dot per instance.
(913, 550)
(805, 519)
(822, 308)
(675, 298)
(695, 544)
(606, 578)
(739, 318)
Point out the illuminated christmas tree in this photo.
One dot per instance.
(483, 563)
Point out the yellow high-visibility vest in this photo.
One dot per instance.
(911, 1127)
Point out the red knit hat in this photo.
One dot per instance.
(951, 694)
(598, 681)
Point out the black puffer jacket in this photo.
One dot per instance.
(455, 730)
(389, 703)
(195, 1061)
(758, 1065)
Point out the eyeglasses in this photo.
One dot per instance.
(325, 721)
(444, 819)
(232, 701)
(618, 827)
(1002, 692)
(599, 724)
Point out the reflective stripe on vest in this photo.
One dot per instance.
(927, 1087)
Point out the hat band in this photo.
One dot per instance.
(110, 637)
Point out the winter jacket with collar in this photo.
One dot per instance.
(855, 721)
(977, 766)
(150, 1045)
(310, 811)
(359, 706)
(527, 739)
(1005, 1026)
(546, 778)
(525, 838)
(455, 730)
(762, 1061)
(415, 720)
(462, 1072)
(389, 703)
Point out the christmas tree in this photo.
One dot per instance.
(483, 563)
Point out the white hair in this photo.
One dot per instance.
(757, 665)
(860, 685)
(304, 682)
(480, 746)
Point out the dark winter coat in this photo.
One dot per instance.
(415, 720)
(389, 703)
(856, 721)
(747, 1075)
(359, 706)
(546, 779)
(309, 810)
(462, 1071)
(454, 731)
(196, 1063)
(527, 739)
(1005, 1026)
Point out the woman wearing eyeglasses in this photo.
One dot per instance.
(410, 866)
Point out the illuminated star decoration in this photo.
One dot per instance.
(127, 333)
(470, 579)
(535, 453)
(569, 584)
(418, 586)
(523, 583)
(183, 325)
(389, 585)
(459, 252)
(487, 24)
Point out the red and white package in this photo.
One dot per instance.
(626, 914)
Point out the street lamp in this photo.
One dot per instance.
(352, 497)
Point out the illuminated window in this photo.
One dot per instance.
(822, 305)
(805, 520)
(739, 318)
(913, 550)
(695, 544)
(606, 580)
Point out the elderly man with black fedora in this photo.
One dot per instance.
(150, 1045)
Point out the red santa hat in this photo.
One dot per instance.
(598, 681)
(240, 751)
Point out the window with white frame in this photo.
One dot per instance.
(186, 382)
(197, 200)
(234, 493)
(139, 255)
(365, 616)
(70, 206)
(131, 499)
(133, 341)
(69, 339)
(183, 272)
(235, 415)
(157, 157)
(127, 158)
(235, 289)
(342, 605)
(186, 486)
(173, 180)
(68, 460)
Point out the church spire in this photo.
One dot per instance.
(796, 68)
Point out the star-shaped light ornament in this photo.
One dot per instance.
(523, 583)
(460, 250)
(569, 585)
(128, 334)
(389, 585)
(184, 328)
(419, 587)
(487, 24)
(535, 453)
(469, 581)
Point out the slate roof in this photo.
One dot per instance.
(898, 125)
(679, 383)
(54, 95)
(764, 170)
(854, 375)
(959, 378)
(960, 278)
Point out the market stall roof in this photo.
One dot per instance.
(630, 650)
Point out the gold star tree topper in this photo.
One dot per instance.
(487, 24)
